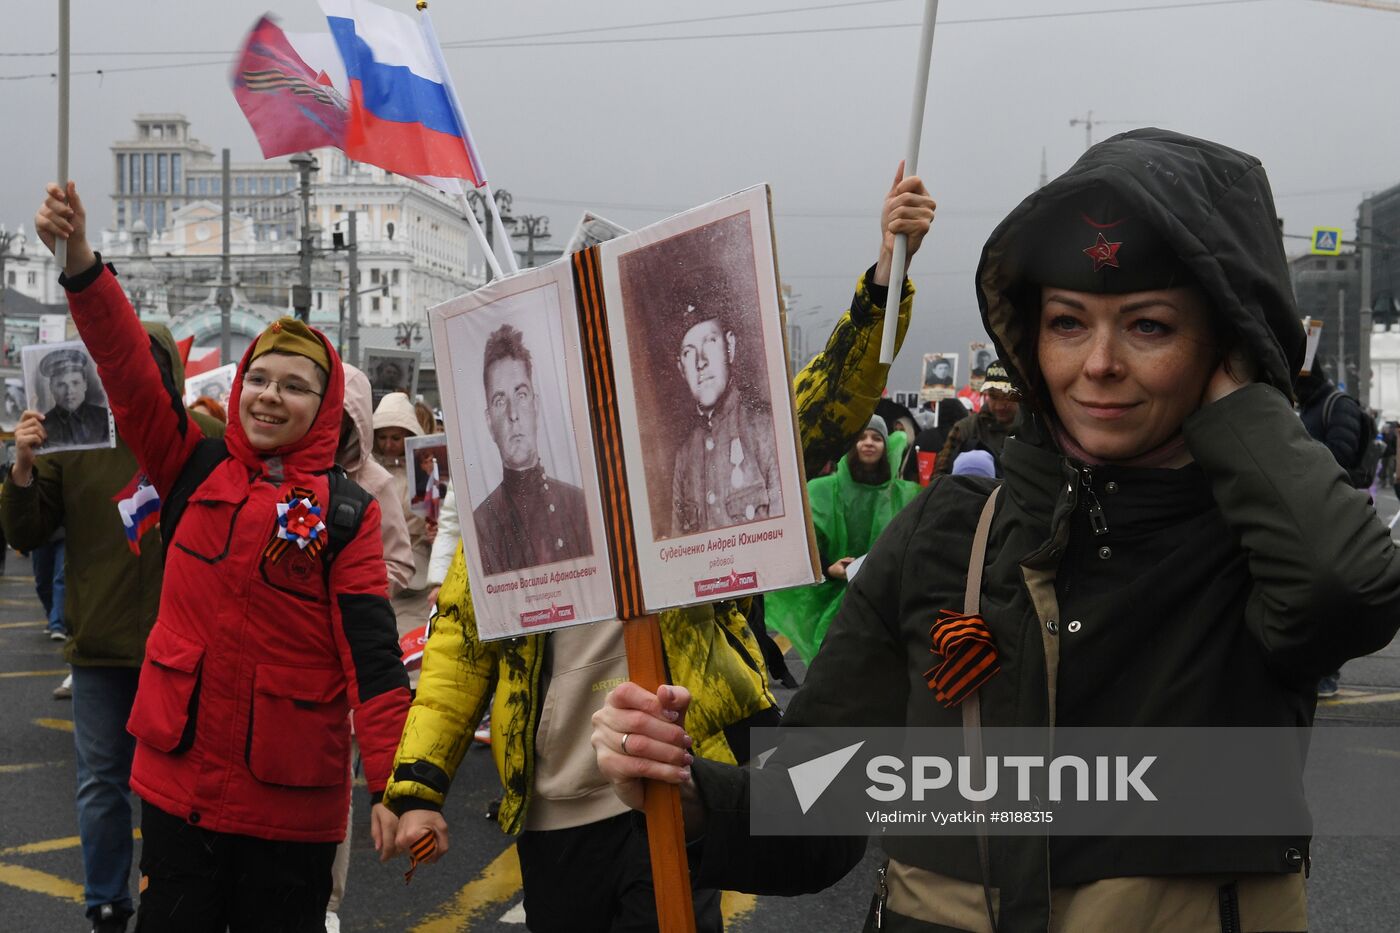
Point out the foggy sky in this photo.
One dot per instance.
(638, 130)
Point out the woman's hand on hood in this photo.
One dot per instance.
(1235, 372)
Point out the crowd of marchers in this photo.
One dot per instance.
(1164, 509)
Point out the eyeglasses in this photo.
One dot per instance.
(290, 388)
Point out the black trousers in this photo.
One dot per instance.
(197, 881)
(597, 879)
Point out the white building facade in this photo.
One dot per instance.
(415, 248)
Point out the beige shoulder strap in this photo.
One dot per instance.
(972, 706)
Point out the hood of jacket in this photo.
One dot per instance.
(172, 365)
(396, 411)
(314, 451)
(1211, 204)
(359, 407)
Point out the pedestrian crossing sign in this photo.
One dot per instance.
(1326, 241)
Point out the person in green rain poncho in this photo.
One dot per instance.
(850, 508)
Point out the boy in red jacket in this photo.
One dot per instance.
(269, 631)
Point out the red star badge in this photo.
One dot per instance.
(1103, 253)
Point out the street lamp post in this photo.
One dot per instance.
(532, 227)
(504, 199)
(301, 293)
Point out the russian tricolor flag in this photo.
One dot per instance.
(139, 506)
(404, 114)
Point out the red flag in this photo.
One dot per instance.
(203, 364)
(184, 347)
(289, 105)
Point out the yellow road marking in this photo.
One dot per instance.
(782, 642)
(1378, 752)
(735, 906)
(496, 884)
(35, 623)
(62, 725)
(32, 766)
(60, 672)
(52, 845)
(48, 845)
(40, 882)
(1393, 697)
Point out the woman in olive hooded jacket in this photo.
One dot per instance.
(1209, 559)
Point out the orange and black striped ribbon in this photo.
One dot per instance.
(420, 852)
(969, 657)
(278, 545)
(607, 433)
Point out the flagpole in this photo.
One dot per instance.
(425, 23)
(480, 234)
(61, 245)
(911, 167)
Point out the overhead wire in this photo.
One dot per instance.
(524, 40)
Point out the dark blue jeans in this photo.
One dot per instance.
(102, 698)
(48, 582)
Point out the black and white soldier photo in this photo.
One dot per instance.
(530, 518)
(391, 370)
(706, 415)
(61, 382)
(939, 370)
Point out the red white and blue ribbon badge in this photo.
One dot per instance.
(298, 523)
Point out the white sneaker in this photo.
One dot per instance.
(332, 922)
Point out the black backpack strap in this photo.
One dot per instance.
(346, 509)
(207, 455)
(1327, 407)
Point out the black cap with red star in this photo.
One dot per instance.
(1096, 243)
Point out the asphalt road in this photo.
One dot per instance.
(476, 887)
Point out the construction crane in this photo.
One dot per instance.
(1088, 122)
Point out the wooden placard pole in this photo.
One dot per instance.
(911, 167)
(670, 871)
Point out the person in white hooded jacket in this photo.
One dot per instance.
(395, 420)
(355, 457)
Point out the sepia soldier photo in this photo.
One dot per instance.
(531, 518)
(726, 470)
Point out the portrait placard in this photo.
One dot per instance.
(716, 485)
(940, 376)
(390, 369)
(980, 355)
(517, 412)
(591, 231)
(428, 473)
(1312, 327)
(217, 384)
(60, 380)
